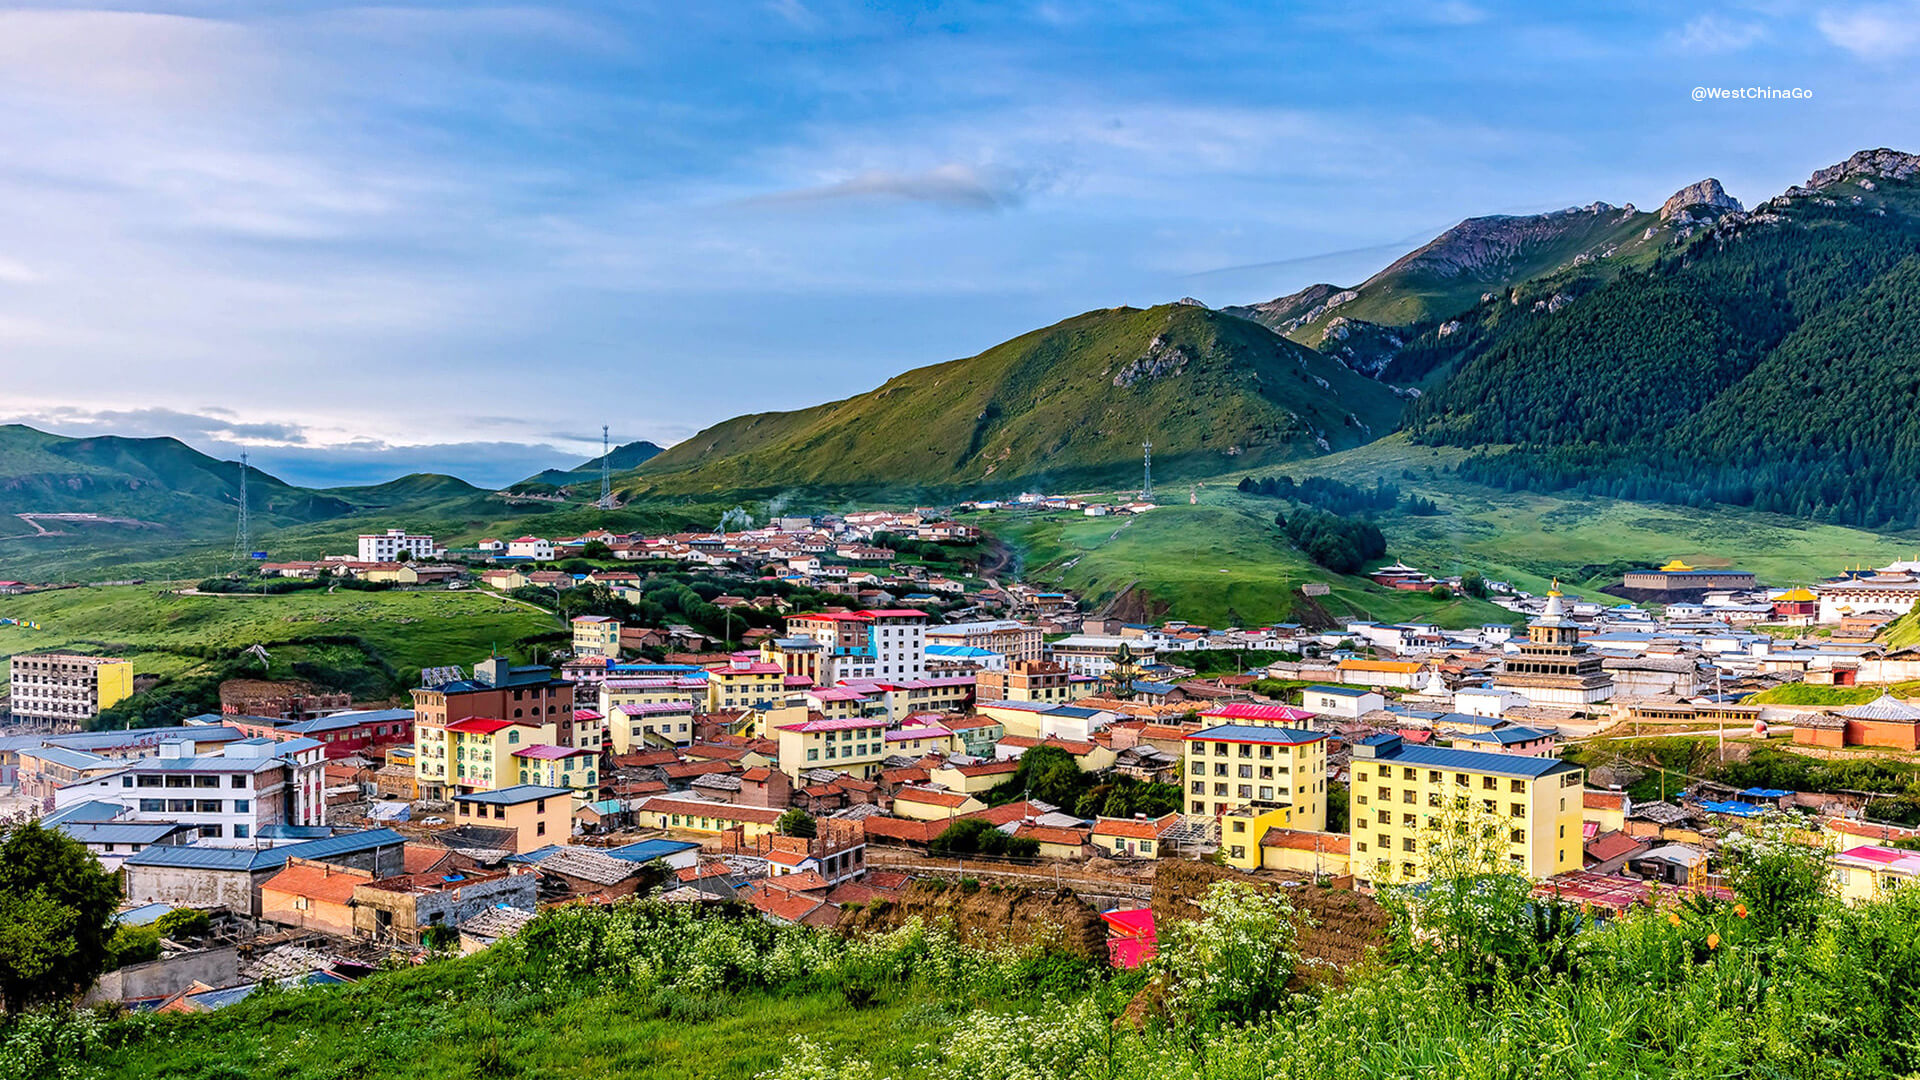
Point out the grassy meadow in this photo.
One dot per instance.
(169, 635)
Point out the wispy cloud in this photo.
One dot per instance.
(952, 186)
(1874, 31)
(1712, 33)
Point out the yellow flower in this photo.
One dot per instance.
(1673, 917)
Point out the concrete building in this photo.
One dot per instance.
(1010, 638)
(1404, 795)
(1027, 680)
(874, 644)
(1093, 655)
(1554, 667)
(497, 691)
(1678, 578)
(60, 689)
(1236, 766)
(400, 909)
(228, 797)
(596, 635)
(1346, 702)
(854, 744)
(536, 814)
(193, 875)
(391, 545)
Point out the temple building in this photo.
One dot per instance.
(1555, 667)
(1678, 577)
(1890, 590)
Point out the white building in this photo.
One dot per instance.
(227, 797)
(1486, 701)
(1093, 654)
(1346, 702)
(530, 547)
(394, 543)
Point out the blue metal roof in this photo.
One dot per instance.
(194, 856)
(93, 810)
(515, 795)
(144, 915)
(1766, 793)
(1485, 761)
(1257, 733)
(649, 850)
(119, 832)
(1737, 809)
(72, 759)
(1502, 736)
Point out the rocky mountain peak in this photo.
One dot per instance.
(1881, 164)
(1707, 193)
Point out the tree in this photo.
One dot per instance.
(976, 836)
(596, 549)
(1046, 773)
(1473, 584)
(56, 907)
(796, 822)
(1440, 592)
(1780, 876)
(184, 924)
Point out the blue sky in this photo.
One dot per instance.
(368, 240)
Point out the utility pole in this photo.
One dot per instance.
(243, 528)
(1146, 479)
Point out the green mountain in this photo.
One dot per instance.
(623, 457)
(1068, 405)
(1368, 325)
(410, 490)
(1768, 359)
(153, 482)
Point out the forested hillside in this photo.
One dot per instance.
(1771, 361)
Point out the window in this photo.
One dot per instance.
(240, 832)
(1518, 836)
(1246, 772)
(1385, 817)
(1199, 768)
(1409, 821)
(1518, 787)
(1199, 788)
(1409, 796)
(1407, 843)
(1386, 793)
(242, 806)
(1488, 783)
(1517, 810)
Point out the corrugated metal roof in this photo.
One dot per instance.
(1442, 757)
(194, 856)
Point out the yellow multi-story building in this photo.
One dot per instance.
(854, 744)
(745, 683)
(477, 754)
(1404, 795)
(560, 766)
(596, 635)
(1249, 767)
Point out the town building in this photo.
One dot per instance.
(497, 691)
(1094, 655)
(1677, 577)
(59, 689)
(560, 766)
(535, 814)
(1026, 680)
(530, 547)
(1232, 766)
(1010, 638)
(855, 744)
(873, 644)
(1405, 796)
(745, 682)
(392, 545)
(596, 635)
(1345, 702)
(1554, 667)
(1889, 591)
(228, 797)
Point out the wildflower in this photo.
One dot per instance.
(1713, 941)
(1740, 910)
(1673, 918)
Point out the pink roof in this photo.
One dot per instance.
(893, 613)
(746, 669)
(657, 708)
(1875, 854)
(547, 752)
(837, 693)
(837, 725)
(1241, 710)
(477, 726)
(587, 714)
(917, 733)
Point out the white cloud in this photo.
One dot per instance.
(955, 186)
(1876, 32)
(1715, 34)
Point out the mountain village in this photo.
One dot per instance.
(917, 729)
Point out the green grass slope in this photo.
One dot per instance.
(624, 457)
(1067, 405)
(167, 635)
(1221, 563)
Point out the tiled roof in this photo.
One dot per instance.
(320, 883)
(664, 804)
(1135, 828)
(1303, 840)
(1047, 835)
(931, 797)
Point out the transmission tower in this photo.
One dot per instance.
(243, 528)
(1146, 479)
(606, 471)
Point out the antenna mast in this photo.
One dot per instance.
(606, 471)
(243, 528)
(1146, 480)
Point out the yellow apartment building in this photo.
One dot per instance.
(1402, 793)
(1251, 767)
(745, 683)
(560, 766)
(854, 744)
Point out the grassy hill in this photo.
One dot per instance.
(1067, 405)
(164, 634)
(1221, 563)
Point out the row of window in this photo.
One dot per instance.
(193, 806)
(151, 780)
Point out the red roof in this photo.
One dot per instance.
(1603, 800)
(478, 726)
(1135, 828)
(1303, 840)
(1612, 845)
(1047, 834)
(948, 799)
(903, 829)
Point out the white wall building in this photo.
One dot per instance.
(530, 547)
(389, 546)
(227, 797)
